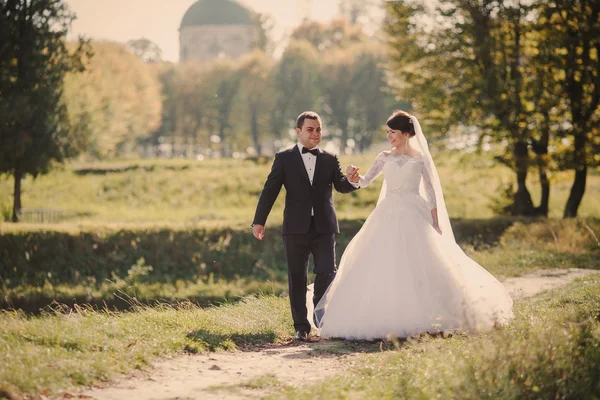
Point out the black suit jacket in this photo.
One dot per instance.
(289, 170)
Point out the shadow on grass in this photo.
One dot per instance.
(126, 168)
(203, 339)
(36, 305)
(336, 346)
(166, 255)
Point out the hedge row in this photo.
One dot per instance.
(34, 257)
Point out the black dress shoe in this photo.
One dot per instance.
(301, 335)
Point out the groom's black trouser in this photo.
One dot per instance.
(297, 250)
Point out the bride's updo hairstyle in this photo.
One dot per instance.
(400, 121)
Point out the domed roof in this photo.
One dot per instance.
(216, 12)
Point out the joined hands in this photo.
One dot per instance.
(352, 173)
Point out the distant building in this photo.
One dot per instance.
(212, 29)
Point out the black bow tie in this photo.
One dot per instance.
(314, 152)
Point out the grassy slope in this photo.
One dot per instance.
(550, 350)
(49, 352)
(226, 191)
(506, 247)
(54, 351)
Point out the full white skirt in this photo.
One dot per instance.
(399, 277)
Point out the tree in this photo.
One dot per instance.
(574, 29)
(255, 96)
(225, 81)
(145, 49)
(264, 40)
(166, 74)
(193, 101)
(339, 33)
(417, 75)
(34, 60)
(338, 90)
(295, 82)
(119, 97)
(355, 10)
(371, 98)
(475, 57)
(544, 95)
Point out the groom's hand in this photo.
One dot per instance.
(258, 231)
(352, 173)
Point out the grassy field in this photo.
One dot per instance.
(550, 350)
(226, 191)
(108, 268)
(175, 234)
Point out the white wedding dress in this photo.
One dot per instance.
(399, 277)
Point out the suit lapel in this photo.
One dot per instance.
(300, 164)
(318, 165)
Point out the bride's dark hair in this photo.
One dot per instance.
(400, 121)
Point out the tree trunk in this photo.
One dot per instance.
(522, 204)
(222, 137)
(254, 130)
(578, 188)
(545, 184)
(344, 138)
(540, 148)
(17, 195)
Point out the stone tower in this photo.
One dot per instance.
(212, 29)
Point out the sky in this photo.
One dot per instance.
(158, 20)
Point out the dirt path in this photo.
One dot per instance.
(241, 374)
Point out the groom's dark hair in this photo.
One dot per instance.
(304, 115)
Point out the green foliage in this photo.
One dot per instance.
(55, 350)
(145, 49)
(190, 254)
(353, 85)
(256, 101)
(5, 209)
(295, 79)
(324, 37)
(550, 350)
(213, 192)
(34, 60)
(510, 70)
(190, 221)
(93, 265)
(116, 101)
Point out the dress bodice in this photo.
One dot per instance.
(403, 174)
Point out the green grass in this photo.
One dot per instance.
(122, 294)
(218, 191)
(54, 351)
(550, 350)
(198, 214)
(207, 267)
(528, 245)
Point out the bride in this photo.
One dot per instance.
(403, 273)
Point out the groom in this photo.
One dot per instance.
(309, 220)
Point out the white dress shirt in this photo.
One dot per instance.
(310, 162)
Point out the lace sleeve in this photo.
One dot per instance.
(429, 190)
(374, 172)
